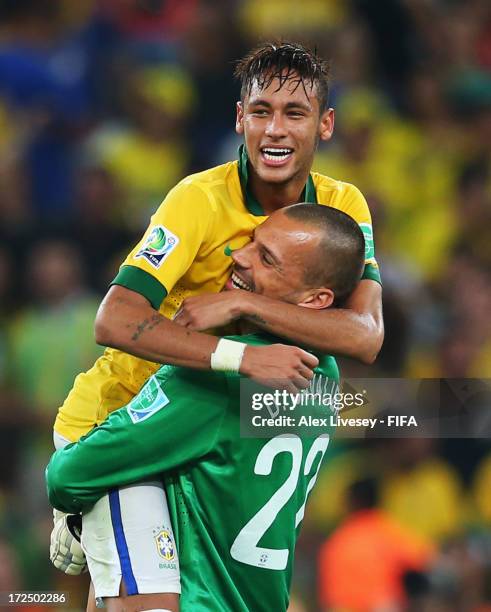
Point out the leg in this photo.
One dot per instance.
(131, 551)
(91, 607)
(165, 602)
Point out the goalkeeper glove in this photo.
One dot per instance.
(65, 550)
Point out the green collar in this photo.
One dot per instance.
(253, 206)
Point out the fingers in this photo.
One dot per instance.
(179, 317)
(303, 370)
(300, 384)
(298, 380)
(308, 359)
(290, 387)
(293, 386)
(184, 318)
(287, 367)
(306, 374)
(184, 314)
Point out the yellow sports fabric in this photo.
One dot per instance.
(186, 249)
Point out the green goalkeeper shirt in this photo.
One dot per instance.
(236, 503)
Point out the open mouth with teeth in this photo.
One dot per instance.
(234, 282)
(276, 156)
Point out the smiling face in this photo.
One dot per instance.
(274, 263)
(281, 128)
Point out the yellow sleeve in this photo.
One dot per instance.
(349, 199)
(177, 230)
(353, 203)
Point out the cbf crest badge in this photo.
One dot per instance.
(165, 545)
(157, 246)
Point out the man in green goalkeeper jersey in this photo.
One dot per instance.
(235, 503)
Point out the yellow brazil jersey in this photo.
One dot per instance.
(186, 251)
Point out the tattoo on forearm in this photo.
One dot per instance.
(256, 319)
(147, 325)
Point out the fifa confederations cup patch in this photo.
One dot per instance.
(159, 243)
(150, 400)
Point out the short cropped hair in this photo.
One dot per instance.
(341, 259)
(287, 62)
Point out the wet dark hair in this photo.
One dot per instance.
(287, 62)
(341, 258)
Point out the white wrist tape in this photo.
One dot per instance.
(227, 356)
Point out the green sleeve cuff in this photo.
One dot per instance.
(142, 282)
(371, 272)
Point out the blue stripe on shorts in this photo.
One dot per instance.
(121, 545)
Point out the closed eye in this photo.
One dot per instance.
(266, 258)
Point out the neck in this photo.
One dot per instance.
(274, 196)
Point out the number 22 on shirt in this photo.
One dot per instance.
(245, 546)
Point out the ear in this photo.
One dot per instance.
(317, 299)
(239, 121)
(326, 125)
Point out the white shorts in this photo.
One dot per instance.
(59, 441)
(127, 536)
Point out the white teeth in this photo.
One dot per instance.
(275, 157)
(272, 154)
(239, 283)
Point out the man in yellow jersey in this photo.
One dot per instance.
(282, 114)
(204, 526)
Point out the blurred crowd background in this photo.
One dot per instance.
(106, 104)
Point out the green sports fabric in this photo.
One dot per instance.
(236, 504)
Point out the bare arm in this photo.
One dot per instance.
(127, 321)
(356, 331)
